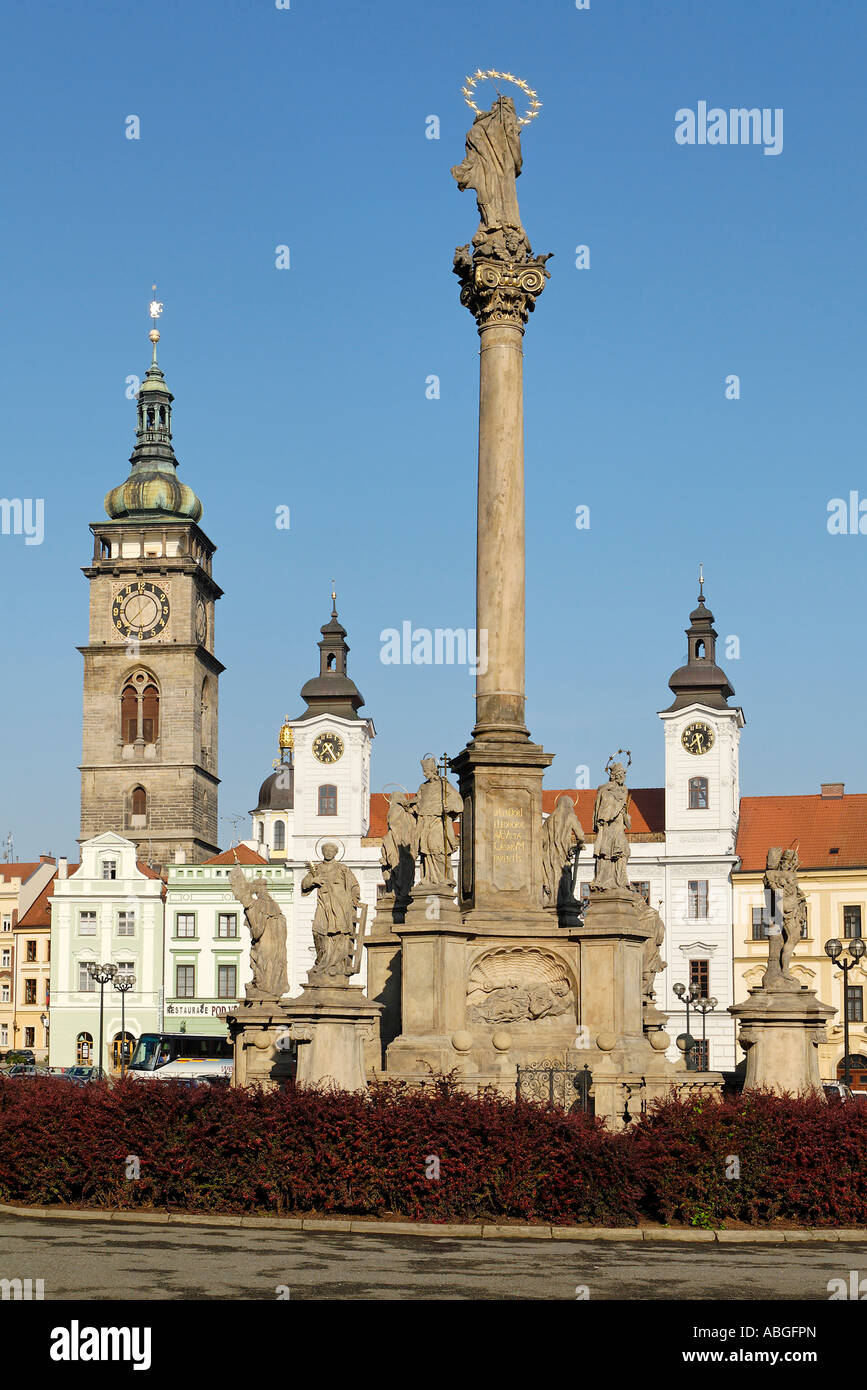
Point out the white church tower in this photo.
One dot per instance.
(702, 795)
(320, 790)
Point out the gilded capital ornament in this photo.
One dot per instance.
(500, 290)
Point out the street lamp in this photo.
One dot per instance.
(123, 984)
(101, 974)
(689, 996)
(834, 949)
(704, 1006)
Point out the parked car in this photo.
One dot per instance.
(81, 1075)
(836, 1092)
(22, 1069)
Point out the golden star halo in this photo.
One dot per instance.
(479, 76)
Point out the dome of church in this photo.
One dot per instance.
(274, 797)
(147, 490)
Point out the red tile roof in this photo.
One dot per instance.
(646, 809)
(38, 913)
(147, 870)
(22, 871)
(238, 854)
(814, 824)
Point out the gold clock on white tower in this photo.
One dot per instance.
(697, 738)
(140, 610)
(328, 747)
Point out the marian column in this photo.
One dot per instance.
(500, 770)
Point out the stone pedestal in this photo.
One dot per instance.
(258, 1028)
(336, 1029)
(781, 1030)
(384, 966)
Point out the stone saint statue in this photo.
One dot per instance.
(492, 164)
(334, 925)
(781, 876)
(562, 842)
(652, 961)
(610, 824)
(437, 803)
(400, 847)
(267, 936)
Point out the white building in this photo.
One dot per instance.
(207, 957)
(320, 792)
(109, 911)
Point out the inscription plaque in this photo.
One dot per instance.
(510, 840)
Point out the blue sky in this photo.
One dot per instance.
(306, 387)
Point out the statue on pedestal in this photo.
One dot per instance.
(610, 824)
(653, 963)
(781, 876)
(562, 842)
(267, 936)
(334, 923)
(399, 847)
(437, 803)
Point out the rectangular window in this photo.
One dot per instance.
(185, 982)
(126, 924)
(30, 957)
(805, 925)
(109, 868)
(642, 887)
(6, 959)
(7, 923)
(760, 924)
(698, 793)
(851, 922)
(126, 967)
(698, 897)
(87, 923)
(699, 977)
(855, 1003)
(4, 993)
(227, 981)
(185, 924)
(328, 801)
(85, 984)
(227, 926)
(29, 1037)
(29, 991)
(700, 1055)
(4, 1034)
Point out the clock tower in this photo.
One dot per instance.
(702, 734)
(149, 747)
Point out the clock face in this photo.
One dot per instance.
(201, 621)
(697, 738)
(140, 610)
(328, 747)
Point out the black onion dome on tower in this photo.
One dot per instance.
(700, 681)
(332, 691)
(277, 792)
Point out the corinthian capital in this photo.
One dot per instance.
(497, 289)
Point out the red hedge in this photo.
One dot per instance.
(299, 1151)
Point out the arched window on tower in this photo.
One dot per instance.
(150, 714)
(330, 661)
(699, 649)
(279, 835)
(129, 714)
(150, 417)
(327, 800)
(698, 793)
(139, 807)
(261, 835)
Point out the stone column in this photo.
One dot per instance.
(501, 295)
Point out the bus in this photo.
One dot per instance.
(167, 1056)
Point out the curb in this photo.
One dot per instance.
(354, 1226)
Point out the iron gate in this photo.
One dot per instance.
(556, 1083)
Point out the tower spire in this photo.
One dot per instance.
(700, 681)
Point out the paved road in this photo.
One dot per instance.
(94, 1260)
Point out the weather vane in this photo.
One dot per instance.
(701, 580)
(155, 308)
(493, 75)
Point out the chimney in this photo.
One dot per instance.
(62, 867)
(832, 790)
(47, 859)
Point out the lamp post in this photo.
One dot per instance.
(834, 949)
(123, 984)
(704, 1006)
(689, 996)
(101, 974)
